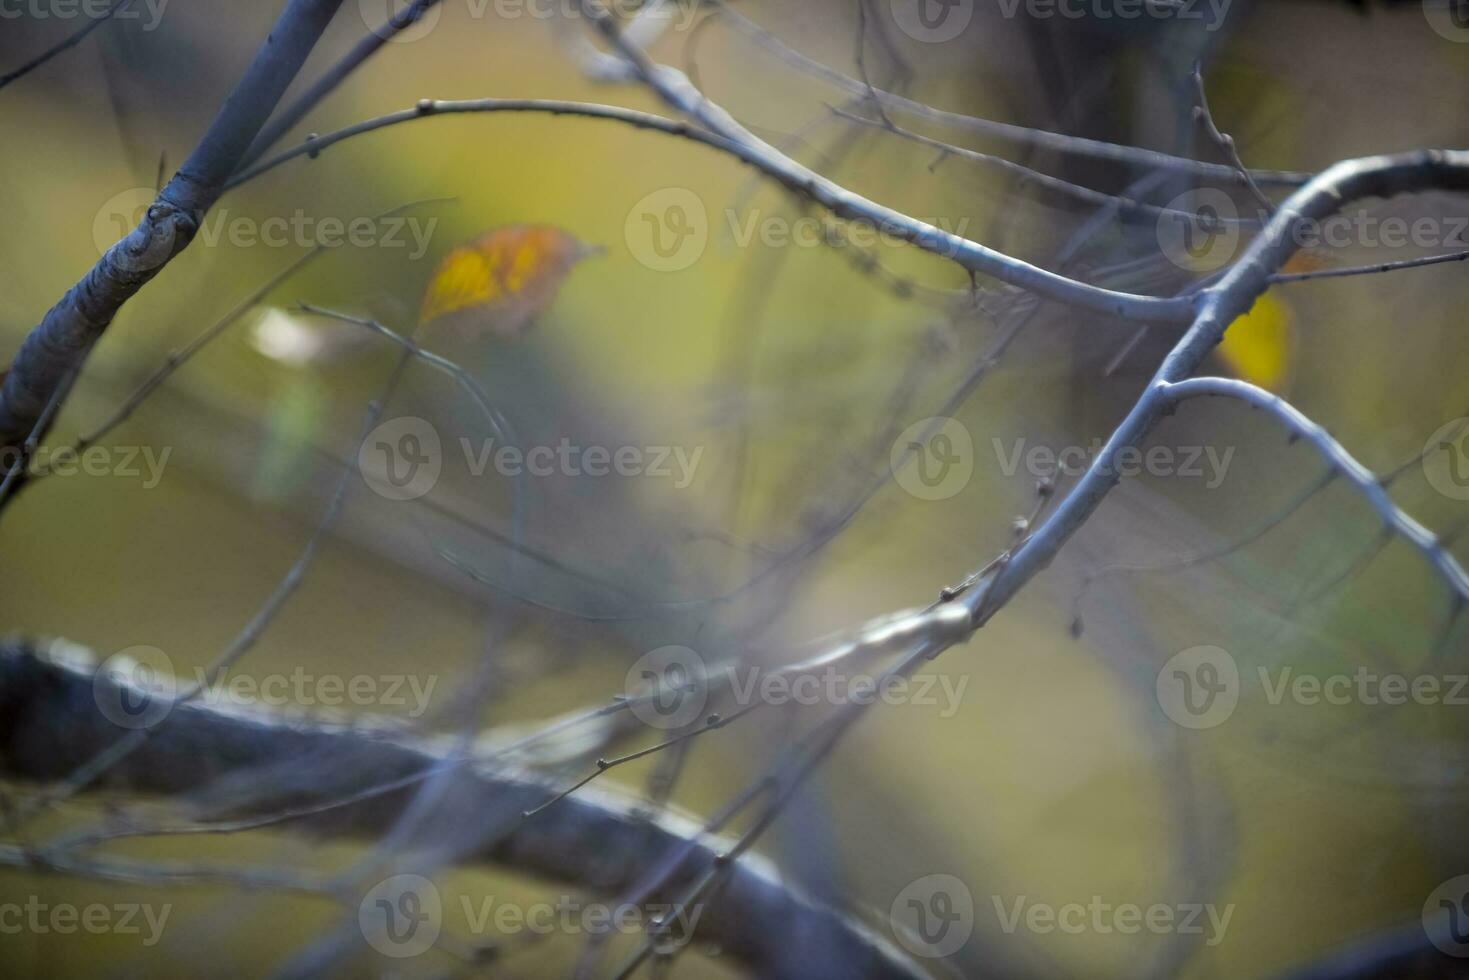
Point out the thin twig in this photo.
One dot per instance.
(1225, 142)
(64, 45)
(675, 89)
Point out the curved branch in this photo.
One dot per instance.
(1022, 135)
(50, 723)
(442, 107)
(1221, 304)
(675, 89)
(1341, 461)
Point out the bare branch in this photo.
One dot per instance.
(49, 722)
(1124, 206)
(1222, 304)
(1023, 135)
(675, 89)
(1205, 118)
(334, 76)
(60, 343)
(1340, 460)
(64, 45)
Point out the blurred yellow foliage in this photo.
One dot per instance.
(1260, 346)
(502, 280)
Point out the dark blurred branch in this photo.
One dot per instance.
(50, 724)
(60, 343)
(1143, 159)
(334, 76)
(64, 45)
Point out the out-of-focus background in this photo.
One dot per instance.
(785, 373)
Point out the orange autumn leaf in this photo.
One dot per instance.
(502, 280)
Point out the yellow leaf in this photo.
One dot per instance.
(1260, 346)
(502, 280)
